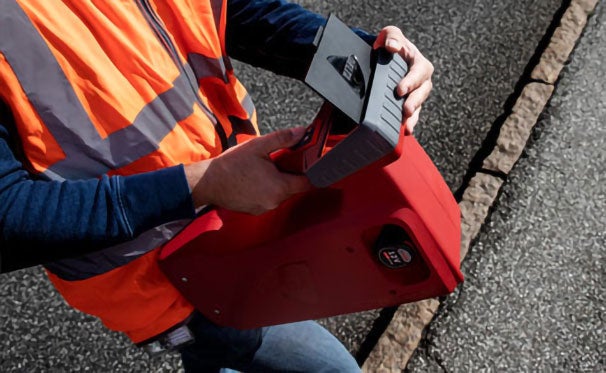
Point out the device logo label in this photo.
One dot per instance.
(395, 256)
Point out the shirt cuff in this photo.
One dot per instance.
(154, 198)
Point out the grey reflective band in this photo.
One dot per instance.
(111, 258)
(51, 94)
(156, 120)
(239, 126)
(205, 67)
(217, 7)
(87, 154)
(248, 105)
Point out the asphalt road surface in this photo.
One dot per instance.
(534, 299)
(480, 50)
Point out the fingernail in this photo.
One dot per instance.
(392, 43)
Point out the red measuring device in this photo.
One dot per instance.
(381, 228)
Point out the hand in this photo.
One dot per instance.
(244, 178)
(417, 83)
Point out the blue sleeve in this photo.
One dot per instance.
(275, 35)
(42, 221)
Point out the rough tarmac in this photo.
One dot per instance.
(479, 49)
(534, 298)
(479, 52)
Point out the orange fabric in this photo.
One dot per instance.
(38, 144)
(156, 296)
(116, 65)
(104, 61)
(190, 30)
(105, 56)
(192, 140)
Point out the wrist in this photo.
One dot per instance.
(194, 174)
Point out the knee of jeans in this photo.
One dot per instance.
(304, 346)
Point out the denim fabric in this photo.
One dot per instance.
(297, 347)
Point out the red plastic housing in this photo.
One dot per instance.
(316, 256)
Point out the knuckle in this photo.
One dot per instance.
(284, 135)
(257, 211)
(289, 185)
(280, 136)
(274, 205)
(392, 29)
(409, 108)
(412, 55)
(270, 204)
(292, 185)
(278, 193)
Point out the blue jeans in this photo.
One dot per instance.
(298, 347)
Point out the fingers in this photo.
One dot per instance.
(271, 142)
(245, 179)
(417, 97)
(278, 188)
(420, 71)
(391, 38)
(411, 121)
(296, 184)
(416, 85)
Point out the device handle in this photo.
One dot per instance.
(300, 157)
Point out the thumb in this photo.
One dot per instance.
(380, 40)
(279, 139)
(390, 38)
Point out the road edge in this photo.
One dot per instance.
(402, 336)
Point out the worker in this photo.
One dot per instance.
(119, 122)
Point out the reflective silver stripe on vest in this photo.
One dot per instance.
(126, 145)
(239, 126)
(51, 94)
(87, 154)
(242, 126)
(248, 105)
(205, 67)
(221, 64)
(217, 7)
(116, 256)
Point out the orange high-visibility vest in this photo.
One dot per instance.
(120, 87)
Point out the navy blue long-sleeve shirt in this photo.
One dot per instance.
(42, 221)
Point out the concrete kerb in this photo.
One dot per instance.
(402, 336)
